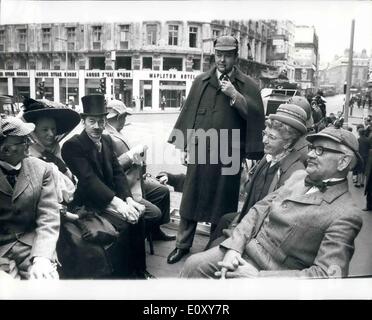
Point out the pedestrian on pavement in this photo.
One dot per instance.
(220, 100)
(29, 208)
(306, 228)
(102, 187)
(359, 170)
(149, 192)
(163, 103)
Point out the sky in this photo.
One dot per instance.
(331, 19)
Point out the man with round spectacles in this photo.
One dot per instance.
(304, 229)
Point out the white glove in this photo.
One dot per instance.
(43, 268)
(137, 153)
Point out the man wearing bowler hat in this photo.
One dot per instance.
(222, 101)
(102, 185)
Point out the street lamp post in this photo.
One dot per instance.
(66, 68)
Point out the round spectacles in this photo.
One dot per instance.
(24, 142)
(319, 150)
(268, 135)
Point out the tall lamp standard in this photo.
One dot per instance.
(66, 68)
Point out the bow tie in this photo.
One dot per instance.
(321, 185)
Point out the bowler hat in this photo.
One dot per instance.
(291, 115)
(65, 118)
(94, 105)
(339, 135)
(226, 43)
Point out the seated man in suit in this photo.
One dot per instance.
(102, 186)
(153, 195)
(29, 209)
(305, 228)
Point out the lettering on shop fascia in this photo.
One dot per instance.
(15, 74)
(56, 74)
(182, 76)
(108, 74)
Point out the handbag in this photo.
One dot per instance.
(95, 228)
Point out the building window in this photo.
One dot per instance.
(173, 35)
(22, 38)
(172, 63)
(71, 63)
(124, 63)
(71, 38)
(97, 63)
(22, 63)
(45, 39)
(193, 37)
(97, 37)
(45, 63)
(216, 33)
(124, 37)
(298, 75)
(151, 31)
(195, 64)
(2, 40)
(147, 63)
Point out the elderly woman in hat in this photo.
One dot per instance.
(50, 124)
(29, 209)
(282, 132)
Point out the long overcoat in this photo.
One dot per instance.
(208, 194)
(30, 212)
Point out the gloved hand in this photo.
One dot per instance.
(43, 268)
(137, 153)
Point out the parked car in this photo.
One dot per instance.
(272, 98)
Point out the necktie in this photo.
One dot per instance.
(99, 146)
(11, 176)
(321, 185)
(224, 76)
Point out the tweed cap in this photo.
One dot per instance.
(291, 115)
(340, 136)
(117, 107)
(12, 126)
(226, 43)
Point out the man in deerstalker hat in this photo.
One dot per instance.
(222, 100)
(102, 185)
(29, 209)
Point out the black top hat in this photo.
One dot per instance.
(66, 119)
(94, 105)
